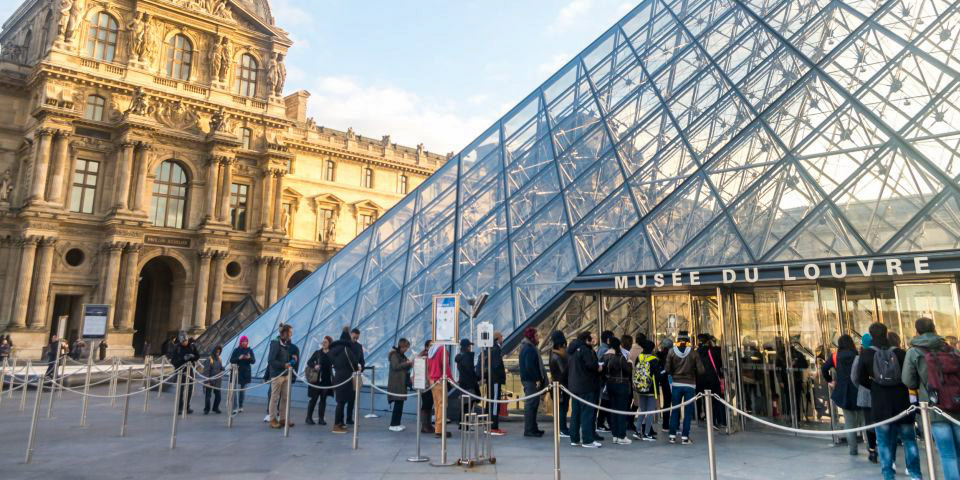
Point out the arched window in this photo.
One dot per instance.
(403, 185)
(247, 76)
(329, 172)
(169, 205)
(94, 108)
(179, 57)
(367, 178)
(102, 37)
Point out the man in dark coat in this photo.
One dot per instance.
(345, 358)
(184, 354)
(712, 378)
(583, 375)
(496, 378)
(280, 357)
(533, 377)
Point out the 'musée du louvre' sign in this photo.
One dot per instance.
(891, 267)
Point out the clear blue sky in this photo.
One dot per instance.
(431, 71)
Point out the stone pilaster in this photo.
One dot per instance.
(279, 285)
(140, 181)
(124, 164)
(216, 288)
(41, 285)
(266, 189)
(111, 278)
(128, 287)
(274, 268)
(28, 251)
(61, 162)
(213, 165)
(203, 276)
(278, 200)
(41, 165)
(11, 260)
(227, 165)
(260, 294)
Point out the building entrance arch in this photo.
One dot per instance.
(160, 304)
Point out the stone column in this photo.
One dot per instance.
(225, 190)
(111, 279)
(210, 208)
(260, 294)
(278, 200)
(124, 162)
(216, 289)
(41, 284)
(28, 251)
(280, 285)
(140, 182)
(203, 275)
(41, 165)
(274, 280)
(61, 161)
(9, 280)
(128, 287)
(266, 187)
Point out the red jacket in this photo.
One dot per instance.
(435, 367)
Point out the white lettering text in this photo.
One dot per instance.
(893, 265)
(920, 265)
(843, 270)
(811, 271)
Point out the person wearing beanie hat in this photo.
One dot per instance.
(619, 375)
(467, 376)
(684, 368)
(533, 377)
(559, 373)
(864, 400)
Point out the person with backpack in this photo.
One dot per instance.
(880, 371)
(863, 399)
(932, 368)
(684, 368)
(558, 373)
(619, 375)
(844, 391)
(585, 381)
(645, 372)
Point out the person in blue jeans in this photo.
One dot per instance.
(889, 398)
(915, 376)
(683, 365)
(584, 380)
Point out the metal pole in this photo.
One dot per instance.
(187, 384)
(63, 373)
(711, 451)
(373, 380)
(927, 438)
(86, 391)
(419, 457)
(53, 383)
(443, 406)
(26, 380)
(163, 361)
(286, 406)
(33, 421)
(230, 387)
(126, 403)
(13, 377)
(356, 406)
(556, 431)
(148, 382)
(113, 381)
(176, 403)
(3, 375)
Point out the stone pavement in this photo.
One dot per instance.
(207, 449)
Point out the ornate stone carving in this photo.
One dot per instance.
(143, 38)
(219, 58)
(6, 186)
(139, 105)
(218, 121)
(216, 8)
(70, 18)
(276, 74)
(177, 115)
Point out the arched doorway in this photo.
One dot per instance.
(297, 278)
(160, 304)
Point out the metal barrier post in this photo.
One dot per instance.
(442, 411)
(188, 385)
(230, 387)
(927, 438)
(3, 375)
(13, 377)
(126, 403)
(148, 382)
(176, 404)
(373, 380)
(86, 390)
(53, 384)
(357, 382)
(419, 457)
(556, 430)
(33, 421)
(286, 406)
(26, 380)
(63, 373)
(163, 361)
(711, 452)
(113, 381)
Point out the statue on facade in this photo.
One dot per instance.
(285, 221)
(6, 186)
(138, 104)
(218, 121)
(385, 141)
(273, 74)
(219, 8)
(331, 232)
(219, 59)
(70, 13)
(281, 75)
(138, 35)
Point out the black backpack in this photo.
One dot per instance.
(886, 367)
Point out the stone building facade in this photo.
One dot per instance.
(150, 161)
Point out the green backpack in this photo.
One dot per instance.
(644, 378)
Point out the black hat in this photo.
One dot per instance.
(683, 336)
(558, 339)
(465, 342)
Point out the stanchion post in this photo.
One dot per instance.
(927, 438)
(230, 387)
(163, 361)
(13, 377)
(126, 402)
(113, 381)
(556, 430)
(63, 373)
(286, 406)
(188, 385)
(356, 406)
(86, 391)
(33, 422)
(53, 383)
(26, 381)
(176, 404)
(711, 451)
(3, 376)
(148, 382)
(373, 380)
(443, 408)
(419, 457)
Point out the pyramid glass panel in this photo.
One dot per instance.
(691, 134)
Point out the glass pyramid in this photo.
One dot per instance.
(691, 133)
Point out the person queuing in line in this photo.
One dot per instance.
(466, 374)
(931, 365)
(558, 373)
(880, 371)
(646, 371)
(619, 374)
(712, 378)
(496, 378)
(6, 348)
(626, 347)
(438, 368)
(398, 382)
(243, 358)
(603, 423)
(279, 359)
(266, 379)
(79, 351)
(320, 372)
(683, 365)
(183, 354)
(346, 361)
(426, 396)
(54, 348)
(211, 385)
(844, 394)
(863, 399)
(584, 378)
(533, 377)
(357, 352)
(666, 391)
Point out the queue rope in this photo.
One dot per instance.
(142, 390)
(943, 414)
(405, 395)
(633, 414)
(506, 400)
(908, 411)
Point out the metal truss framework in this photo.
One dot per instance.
(692, 133)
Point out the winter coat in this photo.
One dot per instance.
(498, 371)
(583, 368)
(181, 355)
(321, 359)
(468, 376)
(559, 368)
(617, 369)
(5, 350)
(844, 390)
(684, 367)
(863, 393)
(279, 357)
(346, 360)
(711, 377)
(244, 375)
(531, 365)
(399, 378)
(914, 373)
(213, 368)
(886, 401)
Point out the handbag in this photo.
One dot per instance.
(313, 375)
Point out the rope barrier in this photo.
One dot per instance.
(633, 414)
(142, 390)
(405, 395)
(506, 400)
(943, 414)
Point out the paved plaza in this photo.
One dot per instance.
(250, 450)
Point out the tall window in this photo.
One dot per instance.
(326, 219)
(238, 205)
(102, 37)
(366, 219)
(247, 76)
(84, 186)
(94, 109)
(179, 57)
(169, 205)
(367, 178)
(246, 138)
(402, 184)
(329, 171)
